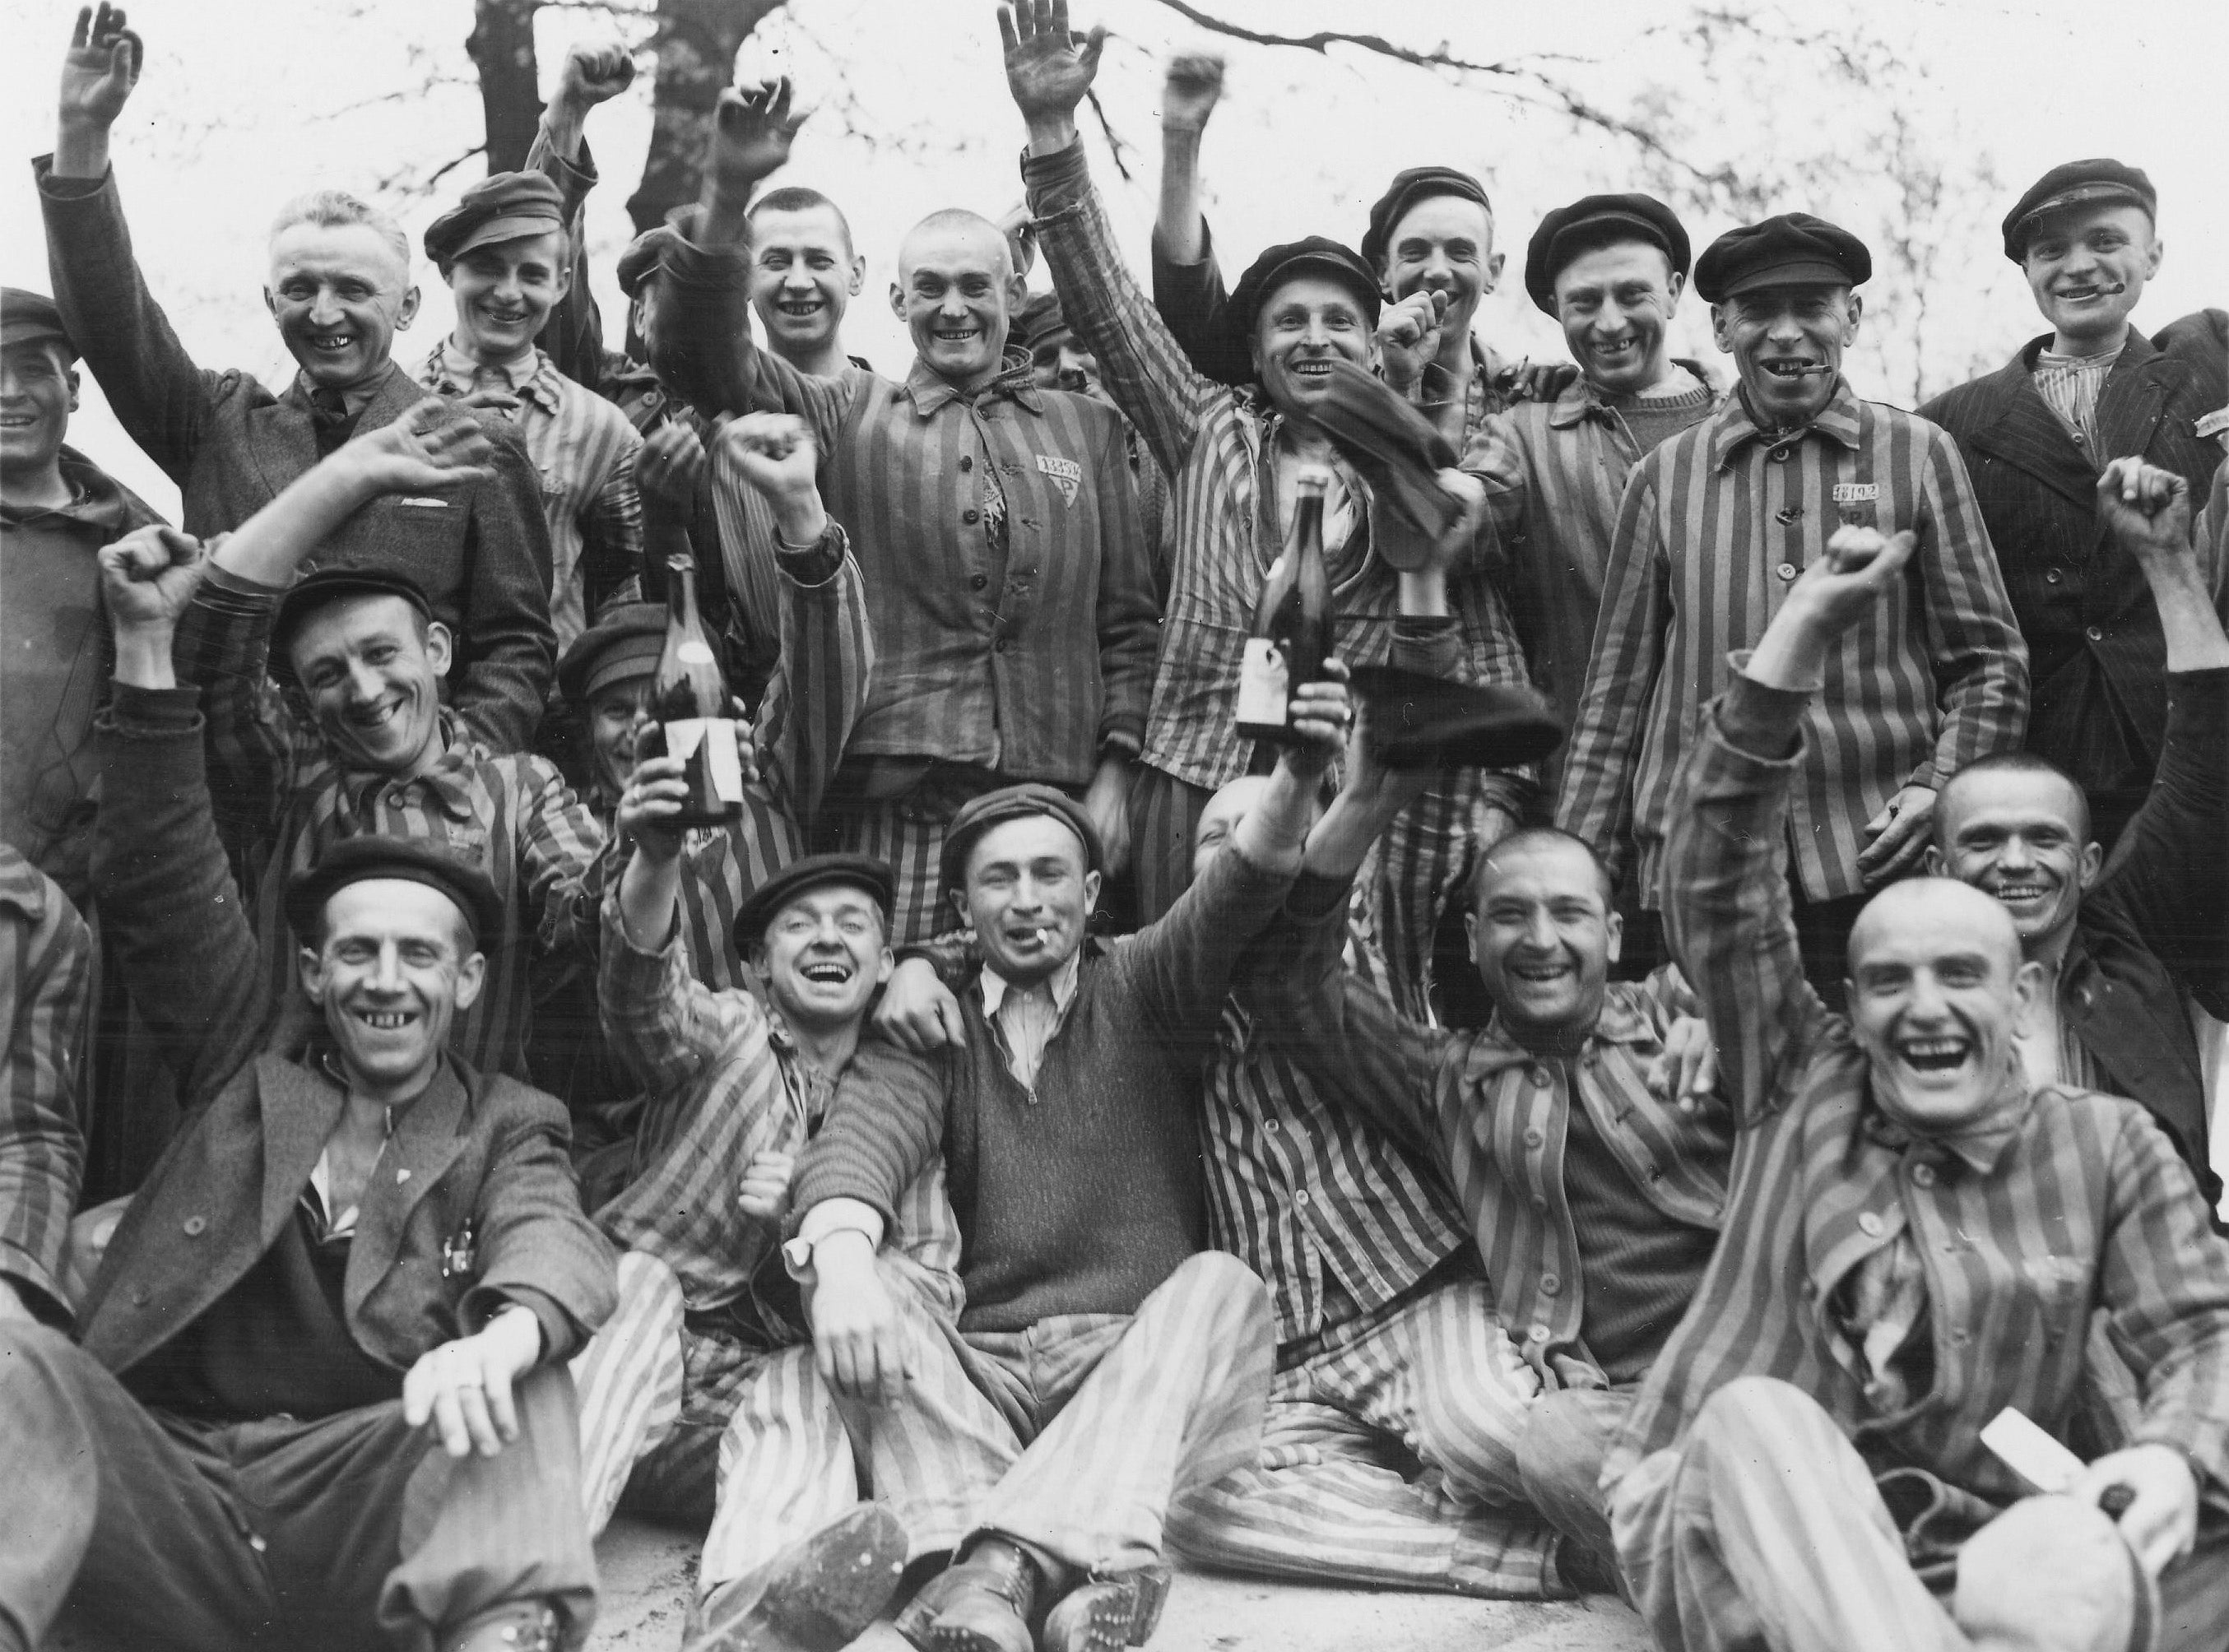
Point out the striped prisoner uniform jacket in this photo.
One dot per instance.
(46, 993)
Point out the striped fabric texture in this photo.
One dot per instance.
(46, 993)
(583, 450)
(2070, 387)
(2078, 1203)
(281, 799)
(1324, 1504)
(1716, 524)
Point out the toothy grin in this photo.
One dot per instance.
(385, 1020)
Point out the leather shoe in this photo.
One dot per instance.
(985, 1601)
(515, 1626)
(1107, 1612)
(816, 1595)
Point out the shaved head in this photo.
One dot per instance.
(1936, 903)
(955, 224)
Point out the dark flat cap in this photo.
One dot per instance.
(978, 814)
(1596, 221)
(1312, 256)
(1792, 249)
(861, 871)
(314, 590)
(623, 645)
(1394, 447)
(2078, 183)
(655, 249)
(1039, 320)
(26, 317)
(501, 208)
(1417, 183)
(411, 860)
(1420, 722)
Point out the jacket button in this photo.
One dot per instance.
(1533, 1138)
(977, 581)
(970, 514)
(1549, 1284)
(1539, 1077)
(195, 1226)
(1924, 1174)
(2052, 575)
(1786, 570)
(966, 463)
(1871, 1225)
(138, 1295)
(2096, 633)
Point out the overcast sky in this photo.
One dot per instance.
(246, 102)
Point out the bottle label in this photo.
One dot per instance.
(694, 651)
(724, 766)
(1264, 688)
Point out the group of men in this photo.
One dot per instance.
(1754, 1162)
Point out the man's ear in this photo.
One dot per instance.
(408, 311)
(70, 377)
(1932, 865)
(1091, 882)
(440, 647)
(1614, 925)
(898, 301)
(958, 898)
(1494, 266)
(471, 976)
(858, 274)
(309, 965)
(885, 961)
(1850, 324)
(564, 280)
(271, 302)
(2092, 863)
(2159, 251)
(1674, 284)
(2027, 994)
(1722, 328)
(1470, 935)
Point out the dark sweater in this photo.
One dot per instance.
(1085, 1198)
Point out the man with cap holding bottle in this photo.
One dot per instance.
(316, 1389)
(1715, 526)
(2037, 433)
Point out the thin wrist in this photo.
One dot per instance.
(1048, 133)
(800, 520)
(143, 657)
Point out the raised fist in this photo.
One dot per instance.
(1191, 91)
(148, 576)
(596, 71)
(2146, 508)
(774, 452)
(1409, 336)
(1048, 68)
(100, 67)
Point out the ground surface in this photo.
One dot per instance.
(647, 1570)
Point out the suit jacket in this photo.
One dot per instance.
(2096, 659)
(472, 1207)
(480, 550)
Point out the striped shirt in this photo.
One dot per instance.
(46, 993)
(1715, 526)
(281, 798)
(1497, 1119)
(2023, 1228)
(725, 1081)
(1554, 474)
(1219, 448)
(2070, 387)
(584, 450)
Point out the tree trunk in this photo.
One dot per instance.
(502, 46)
(696, 41)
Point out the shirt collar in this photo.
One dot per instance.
(1732, 427)
(1581, 400)
(930, 390)
(1980, 1146)
(450, 785)
(1619, 1021)
(995, 986)
(22, 886)
(530, 374)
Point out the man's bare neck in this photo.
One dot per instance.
(40, 489)
(2080, 348)
(823, 361)
(828, 1048)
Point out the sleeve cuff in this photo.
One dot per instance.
(42, 1296)
(1762, 722)
(483, 1302)
(830, 1217)
(221, 578)
(1316, 898)
(810, 566)
(136, 710)
(68, 188)
(1060, 172)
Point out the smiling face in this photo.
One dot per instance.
(505, 290)
(823, 955)
(338, 293)
(1786, 343)
(1231, 804)
(38, 393)
(1058, 362)
(393, 970)
(372, 669)
(1615, 303)
(956, 292)
(617, 717)
(1937, 992)
(1306, 324)
(2087, 267)
(1444, 244)
(804, 274)
(2022, 836)
(1543, 934)
(1028, 897)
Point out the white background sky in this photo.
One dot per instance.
(246, 102)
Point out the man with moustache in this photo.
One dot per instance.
(339, 289)
(1916, 1240)
(2038, 432)
(316, 1389)
(994, 521)
(1719, 522)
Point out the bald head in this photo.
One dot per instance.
(956, 231)
(956, 292)
(1937, 908)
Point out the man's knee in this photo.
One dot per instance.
(649, 1292)
(1567, 1433)
(1750, 1411)
(1220, 1277)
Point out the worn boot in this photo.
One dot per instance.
(515, 1626)
(985, 1602)
(1107, 1611)
(816, 1595)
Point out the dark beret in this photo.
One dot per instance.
(978, 814)
(1039, 319)
(862, 871)
(1313, 255)
(1417, 183)
(412, 860)
(2075, 184)
(1597, 221)
(502, 207)
(315, 589)
(1791, 249)
(1419, 722)
(623, 645)
(26, 317)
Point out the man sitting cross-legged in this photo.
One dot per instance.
(1917, 1237)
(315, 1390)
(1117, 1364)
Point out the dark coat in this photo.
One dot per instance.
(480, 551)
(2096, 658)
(476, 1181)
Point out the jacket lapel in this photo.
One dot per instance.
(281, 439)
(2026, 433)
(428, 1136)
(299, 1111)
(395, 396)
(2135, 394)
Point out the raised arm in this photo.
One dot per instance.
(594, 72)
(46, 991)
(1188, 289)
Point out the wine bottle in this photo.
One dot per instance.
(1291, 622)
(689, 698)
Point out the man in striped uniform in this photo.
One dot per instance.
(1917, 1239)
(1717, 524)
(46, 993)
(995, 522)
(357, 742)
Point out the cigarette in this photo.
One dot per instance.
(1040, 934)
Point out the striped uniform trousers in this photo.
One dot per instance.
(1333, 1496)
(909, 834)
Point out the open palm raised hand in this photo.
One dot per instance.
(101, 67)
(431, 446)
(1048, 68)
(752, 131)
